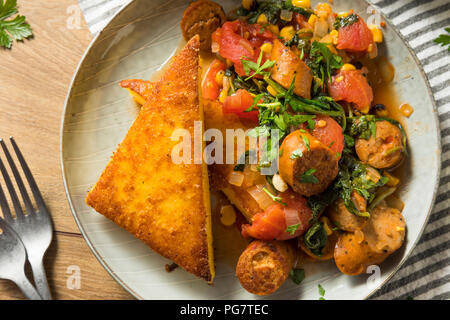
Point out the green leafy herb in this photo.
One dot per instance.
(306, 142)
(444, 39)
(315, 238)
(274, 198)
(257, 67)
(308, 177)
(292, 229)
(297, 275)
(322, 61)
(341, 22)
(12, 28)
(319, 202)
(272, 10)
(321, 292)
(296, 154)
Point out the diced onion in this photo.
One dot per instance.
(215, 47)
(236, 178)
(292, 219)
(373, 174)
(320, 28)
(260, 196)
(286, 15)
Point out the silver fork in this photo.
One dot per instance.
(12, 260)
(34, 227)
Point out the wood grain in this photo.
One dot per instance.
(34, 77)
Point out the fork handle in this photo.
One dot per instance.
(40, 279)
(27, 288)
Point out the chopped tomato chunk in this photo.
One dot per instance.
(281, 221)
(356, 37)
(210, 88)
(329, 132)
(351, 86)
(238, 103)
(239, 40)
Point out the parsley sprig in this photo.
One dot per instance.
(257, 67)
(444, 39)
(12, 28)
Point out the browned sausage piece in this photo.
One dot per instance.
(383, 151)
(287, 63)
(264, 266)
(385, 230)
(343, 218)
(202, 17)
(306, 164)
(353, 255)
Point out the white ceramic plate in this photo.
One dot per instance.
(98, 113)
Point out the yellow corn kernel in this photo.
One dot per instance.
(323, 10)
(348, 67)
(246, 35)
(274, 29)
(229, 63)
(223, 95)
(302, 3)
(382, 113)
(339, 79)
(377, 34)
(399, 229)
(272, 91)
(326, 225)
(342, 14)
(287, 33)
(137, 97)
(406, 110)
(247, 4)
(321, 123)
(262, 19)
(227, 215)
(266, 47)
(393, 181)
(334, 36)
(365, 110)
(219, 77)
(312, 20)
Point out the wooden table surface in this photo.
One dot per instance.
(34, 79)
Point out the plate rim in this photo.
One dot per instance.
(130, 290)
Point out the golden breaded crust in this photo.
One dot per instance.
(161, 203)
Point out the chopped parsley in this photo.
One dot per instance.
(274, 198)
(257, 67)
(12, 28)
(296, 154)
(322, 61)
(321, 292)
(292, 229)
(308, 177)
(444, 39)
(342, 22)
(306, 142)
(297, 275)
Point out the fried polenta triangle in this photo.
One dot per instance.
(165, 205)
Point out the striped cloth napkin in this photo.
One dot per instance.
(426, 274)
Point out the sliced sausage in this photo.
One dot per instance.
(343, 218)
(288, 64)
(383, 151)
(202, 17)
(385, 230)
(264, 266)
(353, 255)
(306, 164)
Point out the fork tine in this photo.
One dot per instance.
(4, 205)
(23, 191)
(34, 188)
(12, 191)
